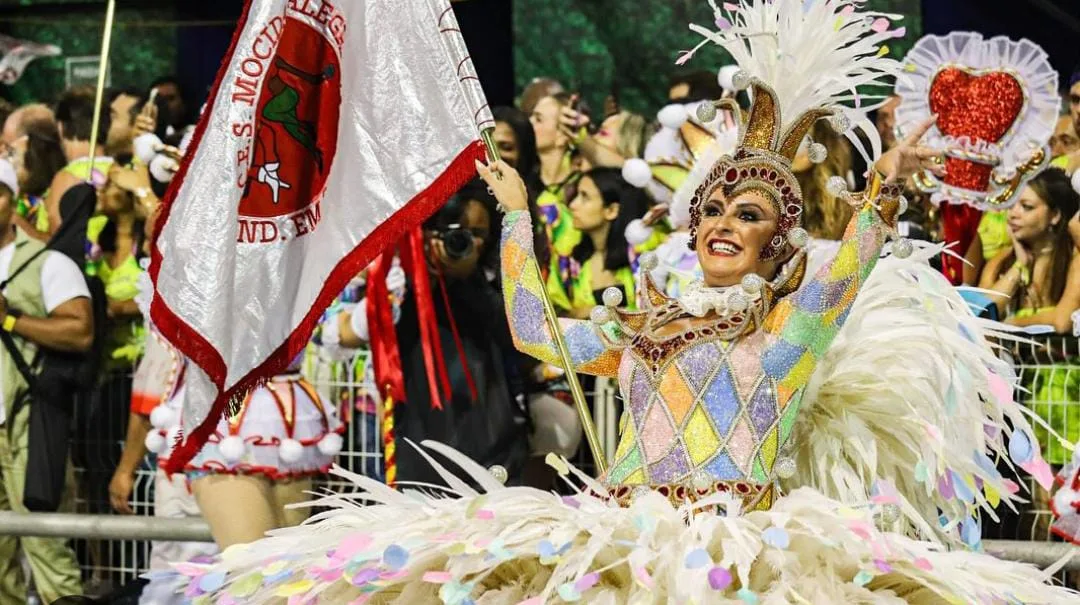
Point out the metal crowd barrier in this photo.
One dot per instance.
(114, 550)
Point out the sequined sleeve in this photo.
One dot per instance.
(522, 290)
(808, 321)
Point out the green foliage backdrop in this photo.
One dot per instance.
(143, 46)
(629, 47)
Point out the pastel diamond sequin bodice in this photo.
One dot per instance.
(711, 407)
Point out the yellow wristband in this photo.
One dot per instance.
(9, 323)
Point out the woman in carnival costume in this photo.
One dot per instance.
(778, 446)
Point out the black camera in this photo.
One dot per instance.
(457, 241)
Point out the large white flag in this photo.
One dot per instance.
(334, 126)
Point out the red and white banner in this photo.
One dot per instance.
(334, 127)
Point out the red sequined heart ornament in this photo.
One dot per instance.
(980, 107)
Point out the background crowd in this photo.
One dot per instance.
(94, 203)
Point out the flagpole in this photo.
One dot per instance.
(103, 64)
(576, 391)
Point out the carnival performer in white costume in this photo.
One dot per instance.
(828, 445)
(259, 460)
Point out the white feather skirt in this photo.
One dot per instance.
(521, 545)
(908, 407)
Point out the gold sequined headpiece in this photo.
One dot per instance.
(762, 162)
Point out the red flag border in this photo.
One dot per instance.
(199, 350)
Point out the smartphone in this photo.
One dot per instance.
(153, 97)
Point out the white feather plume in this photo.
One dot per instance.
(812, 53)
(903, 395)
(511, 544)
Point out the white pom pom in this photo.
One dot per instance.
(818, 153)
(636, 171)
(741, 80)
(648, 261)
(706, 112)
(673, 116)
(600, 315)
(162, 168)
(785, 467)
(155, 442)
(903, 248)
(499, 472)
(290, 451)
(836, 185)
(637, 232)
(232, 448)
(163, 417)
(752, 283)
(1076, 180)
(612, 297)
(146, 147)
(726, 77)
(738, 302)
(840, 123)
(798, 237)
(330, 445)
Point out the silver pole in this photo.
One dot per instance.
(1039, 554)
(193, 529)
(104, 527)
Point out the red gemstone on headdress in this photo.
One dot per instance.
(742, 487)
(753, 172)
(743, 173)
(731, 175)
(772, 175)
(622, 491)
(785, 190)
(680, 492)
(793, 209)
(722, 487)
(664, 490)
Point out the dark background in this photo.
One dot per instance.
(596, 46)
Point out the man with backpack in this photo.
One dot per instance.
(45, 312)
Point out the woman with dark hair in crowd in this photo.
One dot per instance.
(1039, 279)
(605, 204)
(516, 141)
(1038, 274)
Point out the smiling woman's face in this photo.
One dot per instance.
(732, 235)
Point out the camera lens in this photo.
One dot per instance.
(458, 243)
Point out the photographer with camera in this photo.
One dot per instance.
(483, 416)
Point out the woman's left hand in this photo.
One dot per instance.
(908, 157)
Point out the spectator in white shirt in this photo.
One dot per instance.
(46, 305)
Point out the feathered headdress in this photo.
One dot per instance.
(802, 60)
